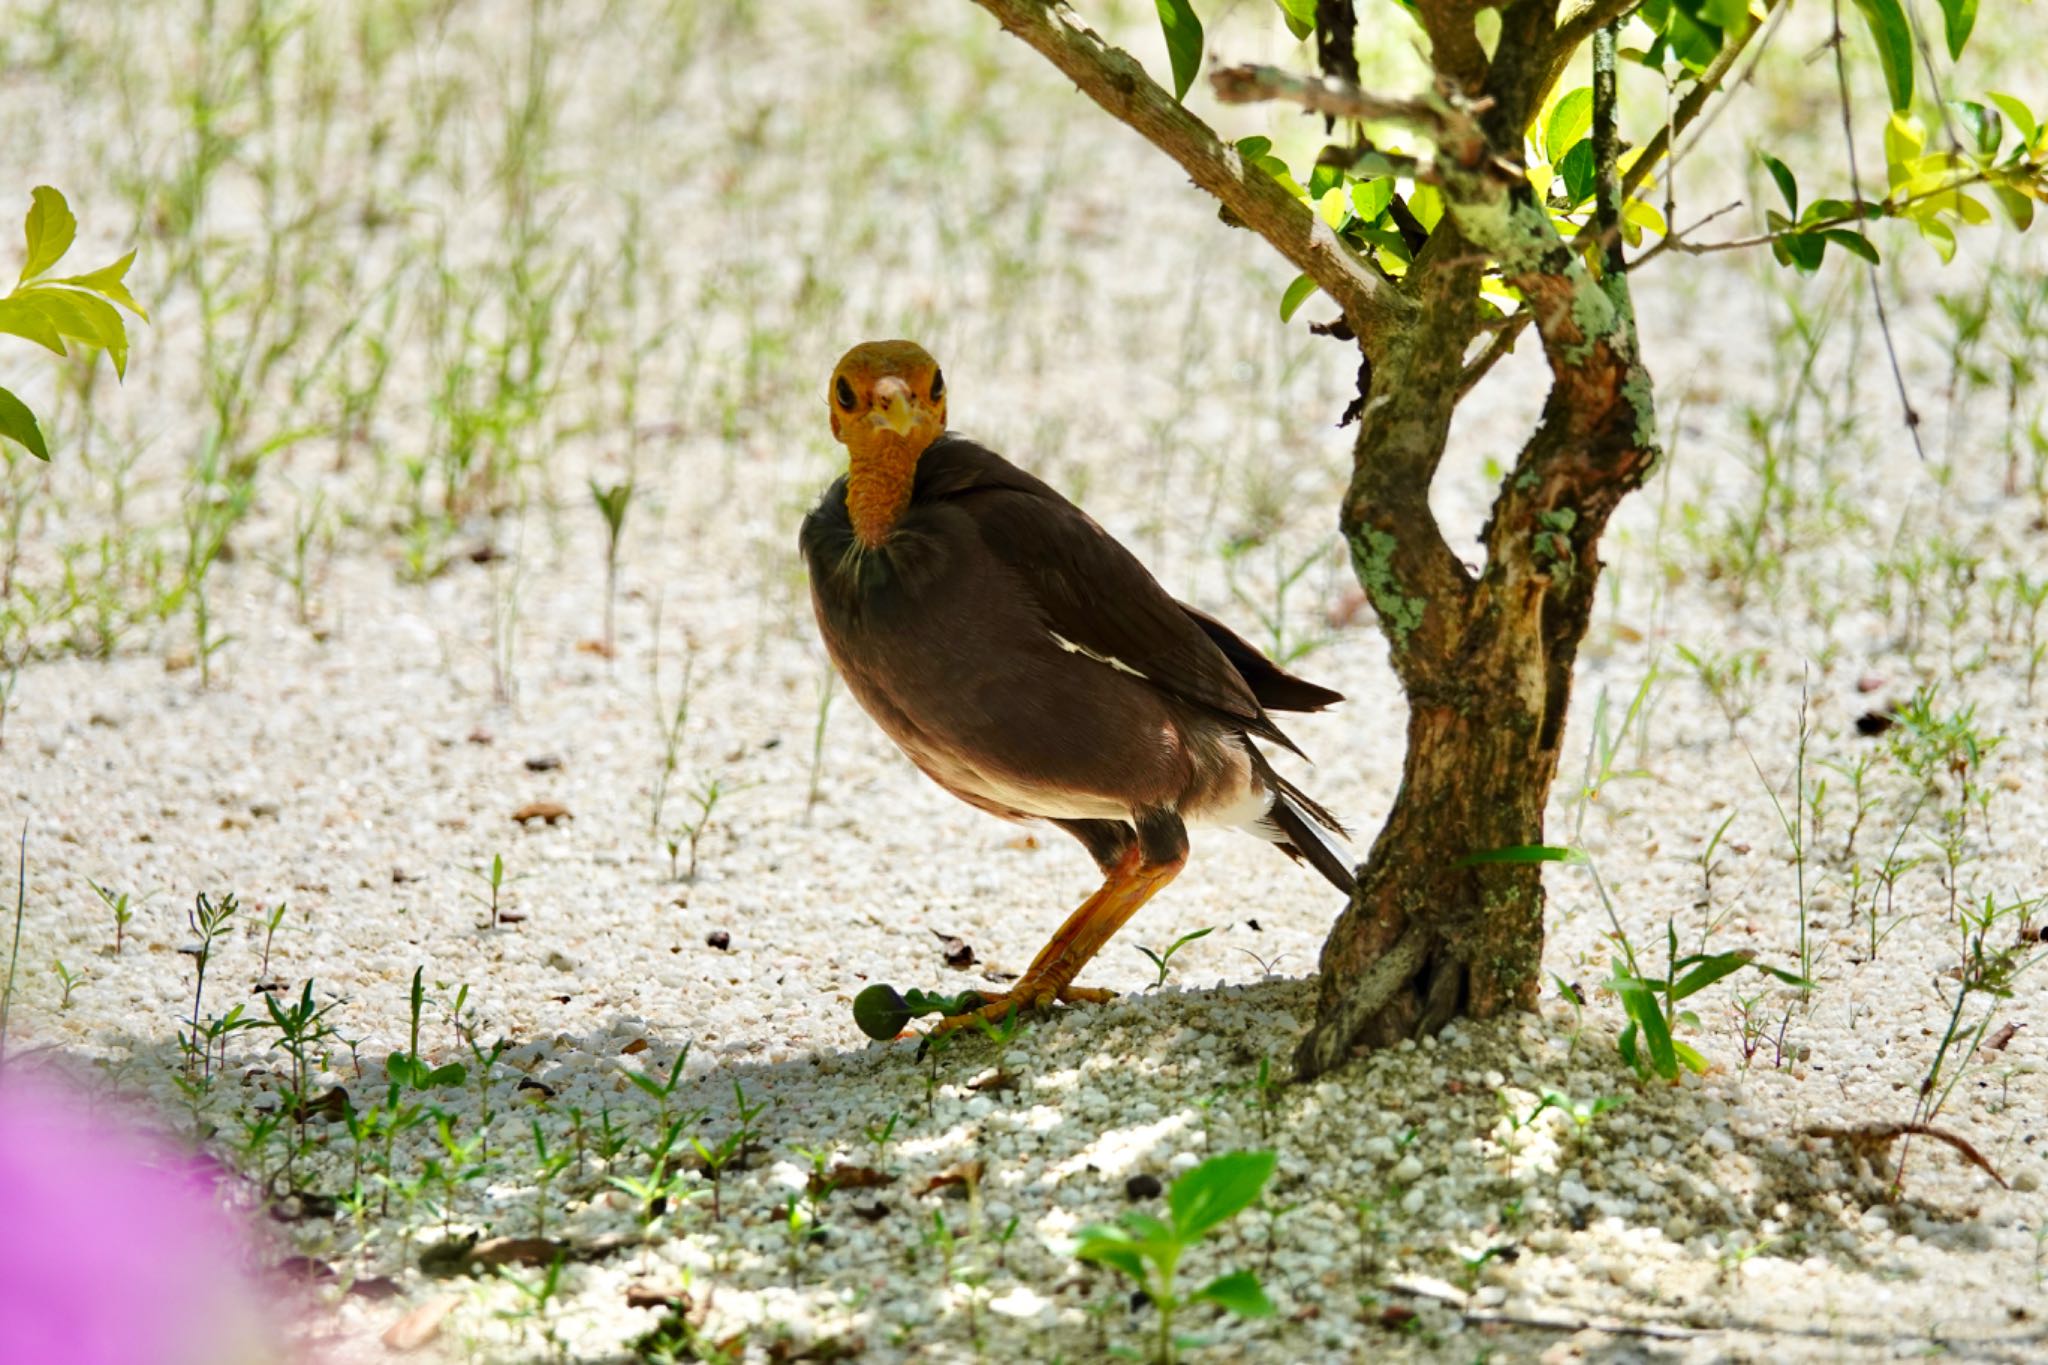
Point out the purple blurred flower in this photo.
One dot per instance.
(114, 1249)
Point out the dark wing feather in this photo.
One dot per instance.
(1094, 593)
(1274, 686)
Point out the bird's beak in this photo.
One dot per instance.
(892, 406)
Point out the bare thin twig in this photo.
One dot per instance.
(1909, 414)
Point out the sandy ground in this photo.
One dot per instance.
(364, 771)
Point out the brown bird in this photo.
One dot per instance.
(1029, 664)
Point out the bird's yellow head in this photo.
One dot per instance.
(888, 404)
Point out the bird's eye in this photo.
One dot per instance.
(938, 385)
(845, 393)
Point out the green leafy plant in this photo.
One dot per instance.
(1149, 1249)
(408, 1069)
(1160, 960)
(611, 503)
(49, 309)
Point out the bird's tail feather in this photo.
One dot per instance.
(1303, 830)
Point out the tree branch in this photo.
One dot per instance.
(1442, 120)
(1585, 20)
(1115, 80)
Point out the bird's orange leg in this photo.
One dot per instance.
(1131, 883)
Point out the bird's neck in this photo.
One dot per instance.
(880, 473)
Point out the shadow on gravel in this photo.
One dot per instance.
(1503, 1189)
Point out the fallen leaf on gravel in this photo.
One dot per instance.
(376, 1288)
(510, 917)
(449, 1256)
(958, 951)
(640, 1294)
(480, 736)
(637, 1045)
(597, 647)
(2000, 1036)
(550, 811)
(331, 1107)
(1875, 1139)
(1874, 723)
(540, 1251)
(873, 1213)
(1396, 1315)
(1869, 682)
(305, 1269)
(954, 1177)
(540, 1090)
(822, 1350)
(543, 763)
(845, 1177)
(994, 1083)
(422, 1324)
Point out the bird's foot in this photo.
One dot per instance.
(1023, 998)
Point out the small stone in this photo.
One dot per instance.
(2027, 1181)
(719, 939)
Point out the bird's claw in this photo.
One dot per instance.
(1023, 998)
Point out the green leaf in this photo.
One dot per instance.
(1300, 15)
(2021, 116)
(1370, 198)
(2019, 210)
(1184, 42)
(106, 281)
(1571, 118)
(1958, 17)
(1854, 242)
(1940, 234)
(1690, 1057)
(1297, 294)
(1730, 16)
(50, 229)
(18, 424)
(1218, 1189)
(1640, 1004)
(1579, 172)
(75, 313)
(1240, 1294)
(1426, 202)
(19, 318)
(1894, 47)
(1985, 128)
(1524, 853)
(1712, 969)
(1110, 1245)
(1787, 186)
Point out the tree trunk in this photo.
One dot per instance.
(1428, 937)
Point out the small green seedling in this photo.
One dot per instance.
(407, 1069)
(611, 505)
(123, 912)
(1149, 1249)
(1161, 960)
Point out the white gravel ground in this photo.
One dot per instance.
(362, 771)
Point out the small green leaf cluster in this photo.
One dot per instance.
(1652, 1004)
(1149, 1249)
(882, 1012)
(47, 309)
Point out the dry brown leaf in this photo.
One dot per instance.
(422, 1324)
(954, 1178)
(640, 1294)
(540, 1251)
(551, 811)
(1865, 1140)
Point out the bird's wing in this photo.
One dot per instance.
(1097, 599)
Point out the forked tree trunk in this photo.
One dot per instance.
(1484, 654)
(1430, 936)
